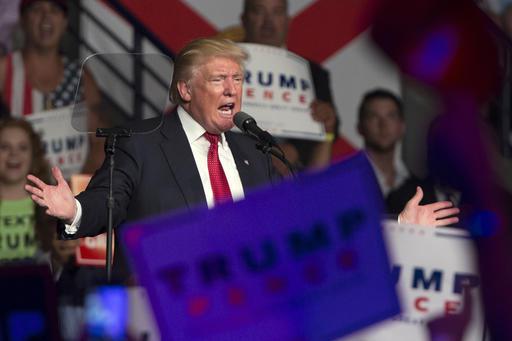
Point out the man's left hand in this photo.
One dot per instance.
(437, 214)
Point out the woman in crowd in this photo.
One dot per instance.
(26, 233)
(38, 77)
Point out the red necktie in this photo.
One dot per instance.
(218, 180)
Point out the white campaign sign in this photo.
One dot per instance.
(278, 92)
(65, 147)
(430, 266)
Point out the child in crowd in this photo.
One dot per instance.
(26, 233)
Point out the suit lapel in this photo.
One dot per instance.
(242, 161)
(181, 161)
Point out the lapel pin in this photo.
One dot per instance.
(246, 162)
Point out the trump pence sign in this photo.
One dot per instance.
(302, 260)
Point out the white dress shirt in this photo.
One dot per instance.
(401, 173)
(199, 145)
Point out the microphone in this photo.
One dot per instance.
(248, 125)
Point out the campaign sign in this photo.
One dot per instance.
(64, 146)
(90, 250)
(304, 260)
(430, 267)
(93, 250)
(278, 92)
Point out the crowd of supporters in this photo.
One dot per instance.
(37, 77)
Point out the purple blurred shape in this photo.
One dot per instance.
(303, 260)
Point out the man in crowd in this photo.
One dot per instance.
(266, 22)
(381, 123)
(192, 159)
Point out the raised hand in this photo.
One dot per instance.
(324, 113)
(58, 199)
(437, 214)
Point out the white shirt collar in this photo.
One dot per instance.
(401, 175)
(192, 128)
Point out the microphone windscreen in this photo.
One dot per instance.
(240, 119)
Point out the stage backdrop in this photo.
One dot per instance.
(332, 33)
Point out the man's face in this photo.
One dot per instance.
(266, 22)
(44, 24)
(381, 126)
(214, 94)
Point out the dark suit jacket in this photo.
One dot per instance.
(155, 173)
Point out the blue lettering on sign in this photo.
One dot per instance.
(301, 245)
(266, 260)
(287, 82)
(460, 280)
(258, 259)
(396, 270)
(349, 222)
(74, 142)
(57, 146)
(68, 143)
(421, 281)
(419, 277)
(214, 267)
(266, 79)
(304, 84)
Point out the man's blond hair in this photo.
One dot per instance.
(196, 53)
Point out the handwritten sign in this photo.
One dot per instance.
(303, 260)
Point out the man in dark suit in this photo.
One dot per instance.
(191, 159)
(266, 22)
(171, 167)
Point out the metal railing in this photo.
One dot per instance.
(134, 51)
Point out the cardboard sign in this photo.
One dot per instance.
(278, 92)
(64, 146)
(429, 266)
(93, 250)
(302, 260)
(90, 250)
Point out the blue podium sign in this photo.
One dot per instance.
(304, 260)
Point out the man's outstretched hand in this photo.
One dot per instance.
(437, 214)
(58, 200)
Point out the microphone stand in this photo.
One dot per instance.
(267, 147)
(111, 135)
